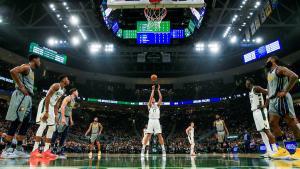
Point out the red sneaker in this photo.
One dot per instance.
(36, 154)
(48, 154)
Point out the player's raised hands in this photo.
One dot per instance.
(153, 87)
(158, 87)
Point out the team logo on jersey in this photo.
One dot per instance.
(270, 77)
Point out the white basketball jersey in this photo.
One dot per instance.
(219, 125)
(191, 132)
(56, 95)
(154, 112)
(256, 99)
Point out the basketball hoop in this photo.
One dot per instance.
(154, 14)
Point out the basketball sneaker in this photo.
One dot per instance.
(296, 156)
(36, 154)
(282, 153)
(19, 151)
(8, 153)
(48, 154)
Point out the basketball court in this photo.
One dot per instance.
(180, 161)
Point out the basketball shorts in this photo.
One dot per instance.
(154, 126)
(191, 140)
(19, 106)
(282, 106)
(260, 117)
(41, 111)
(221, 136)
(95, 137)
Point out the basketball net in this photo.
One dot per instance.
(154, 14)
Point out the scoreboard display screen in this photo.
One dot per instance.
(142, 26)
(261, 52)
(187, 32)
(115, 27)
(177, 33)
(129, 34)
(47, 53)
(154, 38)
(153, 35)
(120, 33)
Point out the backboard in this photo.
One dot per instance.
(135, 4)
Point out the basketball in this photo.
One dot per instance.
(153, 77)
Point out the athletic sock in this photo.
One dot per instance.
(144, 146)
(163, 148)
(47, 146)
(281, 140)
(36, 145)
(274, 147)
(266, 141)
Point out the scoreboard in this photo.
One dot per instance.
(142, 26)
(153, 35)
(47, 53)
(177, 33)
(129, 34)
(154, 38)
(261, 52)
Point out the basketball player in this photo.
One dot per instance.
(148, 143)
(280, 82)
(96, 129)
(65, 119)
(153, 122)
(260, 116)
(190, 133)
(221, 128)
(19, 111)
(47, 116)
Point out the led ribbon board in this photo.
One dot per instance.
(47, 53)
(261, 52)
(188, 102)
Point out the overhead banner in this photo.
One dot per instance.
(268, 9)
(252, 27)
(257, 22)
(263, 16)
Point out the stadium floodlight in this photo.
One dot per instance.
(52, 41)
(64, 3)
(214, 47)
(226, 32)
(74, 20)
(95, 47)
(52, 6)
(67, 8)
(1, 20)
(251, 13)
(233, 39)
(258, 40)
(199, 47)
(109, 48)
(75, 40)
(58, 15)
(82, 34)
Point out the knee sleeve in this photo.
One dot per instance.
(50, 131)
(41, 130)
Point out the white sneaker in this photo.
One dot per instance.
(8, 154)
(21, 153)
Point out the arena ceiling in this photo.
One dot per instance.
(34, 21)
